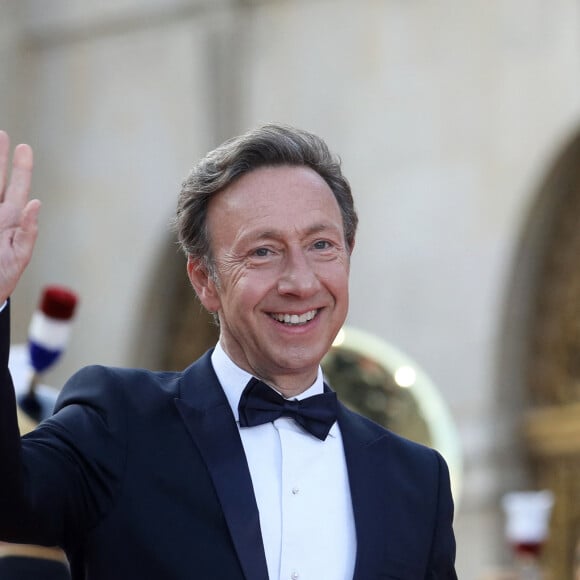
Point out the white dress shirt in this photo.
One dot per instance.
(301, 488)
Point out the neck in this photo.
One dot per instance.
(289, 383)
(287, 389)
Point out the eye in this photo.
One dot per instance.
(262, 252)
(322, 245)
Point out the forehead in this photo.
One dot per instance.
(282, 198)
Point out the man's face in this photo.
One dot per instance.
(282, 266)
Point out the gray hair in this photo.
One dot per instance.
(268, 145)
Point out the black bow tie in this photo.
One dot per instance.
(261, 404)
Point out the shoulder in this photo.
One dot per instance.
(102, 384)
(359, 430)
(124, 376)
(107, 386)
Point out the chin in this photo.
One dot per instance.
(299, 363)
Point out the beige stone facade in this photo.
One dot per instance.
(448, 116)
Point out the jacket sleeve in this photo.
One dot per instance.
(442, 557)
(62, 478)
(10, 458)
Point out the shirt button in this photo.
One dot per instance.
(294, 575)
(295, 490)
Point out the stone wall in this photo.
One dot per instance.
(447, 116)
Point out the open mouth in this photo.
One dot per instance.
(294, 319)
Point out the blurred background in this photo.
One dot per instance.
(459, 128)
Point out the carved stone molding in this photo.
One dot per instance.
(552, 425)
(553, 432)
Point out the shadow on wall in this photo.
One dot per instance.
(175, 329)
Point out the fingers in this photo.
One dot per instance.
(18, 216)
(25, 235)
(21, 176)
(30, 216)
(15, 191)
(4, 149)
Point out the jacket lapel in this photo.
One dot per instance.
(209, 420)
(367, 492)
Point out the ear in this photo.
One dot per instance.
(203, 284)
(351, 247)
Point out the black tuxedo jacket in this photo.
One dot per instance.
(24, 568)
(142, 475)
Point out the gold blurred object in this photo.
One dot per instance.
(500, 574)
(552, 434)
(551, 361)
(374, 378)
(25, 423)
(554, 430)
(29, 551)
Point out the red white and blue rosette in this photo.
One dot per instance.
(50, 327)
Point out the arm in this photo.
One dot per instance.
(61, 479)
(442, 559)
(9, 433)
(18, 229)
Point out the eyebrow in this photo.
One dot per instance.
(314, 229)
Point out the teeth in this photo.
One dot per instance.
(295, 318)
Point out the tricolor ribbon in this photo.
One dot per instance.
(48, 336)
(50, 327)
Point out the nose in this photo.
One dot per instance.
(298, 277)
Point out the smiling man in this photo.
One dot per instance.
(245, 465)
(279, 281)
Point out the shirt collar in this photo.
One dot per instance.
(234, 379)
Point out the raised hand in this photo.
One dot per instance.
(18, 215)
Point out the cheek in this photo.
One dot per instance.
(240, 296)
(335, 278)
(251, 285)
